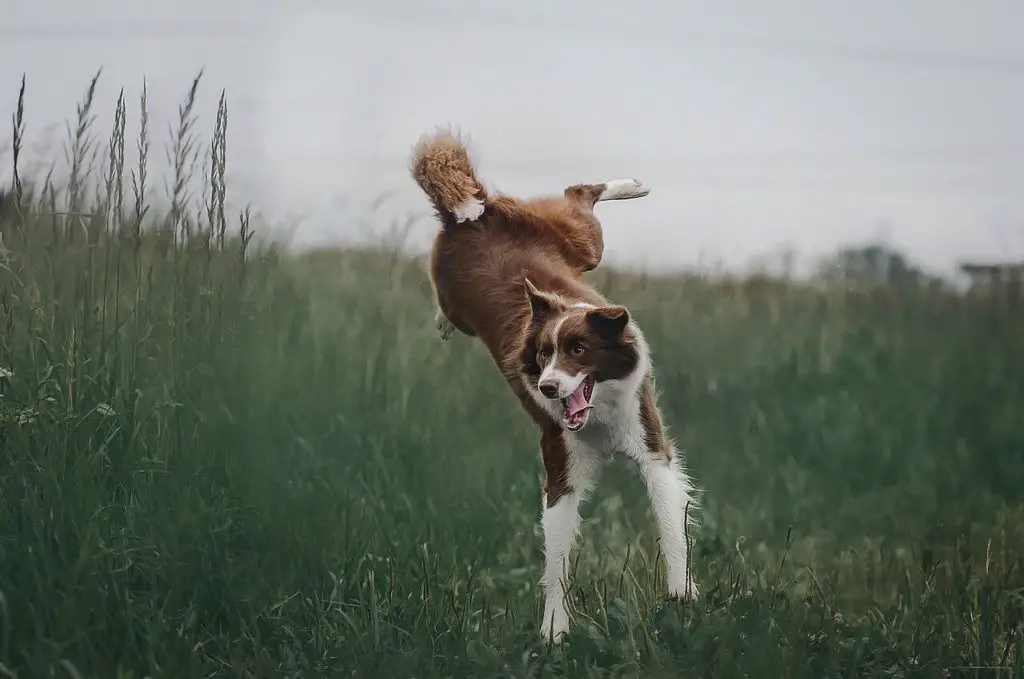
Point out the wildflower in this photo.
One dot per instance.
(5, 372)
(837, 619)
(105, 409)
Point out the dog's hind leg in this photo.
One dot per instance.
(446, 323)
(444, 320)
(444, 326)
(588, 238)
(588, 195)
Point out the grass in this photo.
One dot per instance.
(219, 461)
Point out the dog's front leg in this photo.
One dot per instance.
(671, 496)
(571, 474)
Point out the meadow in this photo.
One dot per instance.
(221, 460)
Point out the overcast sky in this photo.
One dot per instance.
(757, 124)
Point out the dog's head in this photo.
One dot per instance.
(572, 350)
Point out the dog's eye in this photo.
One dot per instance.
(578, 349)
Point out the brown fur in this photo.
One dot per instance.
(555, 457)
(586, 341)
(478, 270)
(650, 417)
(509, 271)
(442, 168)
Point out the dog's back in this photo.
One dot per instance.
(487, 243)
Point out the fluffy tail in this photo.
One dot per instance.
(440, 165)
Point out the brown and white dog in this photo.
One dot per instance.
(508, 271)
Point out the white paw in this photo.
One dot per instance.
(444, 326)
(555, 627)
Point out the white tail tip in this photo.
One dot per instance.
(623, 189)
(468, 210)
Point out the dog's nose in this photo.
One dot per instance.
(549, 389)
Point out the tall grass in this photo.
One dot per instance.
(216, 460)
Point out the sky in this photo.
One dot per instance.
(760, 127)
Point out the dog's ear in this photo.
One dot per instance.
(540, 303)
(608, 321)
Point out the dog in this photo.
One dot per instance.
(509, 272)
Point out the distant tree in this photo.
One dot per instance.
(873, 264)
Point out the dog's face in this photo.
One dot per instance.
(571, 350)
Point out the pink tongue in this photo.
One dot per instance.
(577, 401)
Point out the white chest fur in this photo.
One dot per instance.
(615, 427)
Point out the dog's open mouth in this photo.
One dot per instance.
(577, 405)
